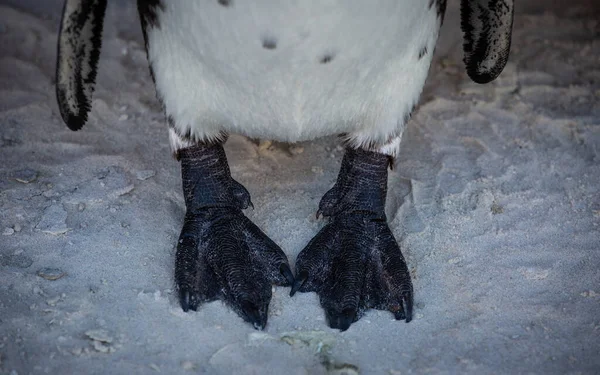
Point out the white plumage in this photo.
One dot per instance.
(292, 70)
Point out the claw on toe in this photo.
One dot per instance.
(285, 270)
(343, 320)
(253, 315)
(188, 301)
(184, 300)
(298, 282)
(403, 310)
(407, 302)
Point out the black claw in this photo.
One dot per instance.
(298, 282)
(287, 273)
(253, 316)
(188, 300)
(399, 315)
(184, 300)
(342, 321)
(407, 302)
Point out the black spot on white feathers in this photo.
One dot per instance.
(440, 8)
(148, 10)
(422, 52)
(225, 3)
(487, 28)
(269, 43)
(326, 58)
(80, 39)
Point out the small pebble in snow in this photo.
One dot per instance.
(188, 365)
(50, 273)
(17, 227)
(154, 367)
(533, 273)
(8, 231)
(144, 174)
(103, 348)
(124, 190)
(100, 335)
(317, 170)
(589, 293)
(264, 145)
(296, 150)
(123, 117)
(496, 208)
(53, 220)
(81, 207)
(25, 176)
(53, 301)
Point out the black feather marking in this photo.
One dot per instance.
(422, 52)
(440, 8)
(148, 10)
(80, 40)
(487, 28)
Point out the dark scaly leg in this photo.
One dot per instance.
(221, 254)
(354, 262)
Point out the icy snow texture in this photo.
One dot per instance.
(495, 200)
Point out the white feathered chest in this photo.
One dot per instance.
(292, 70)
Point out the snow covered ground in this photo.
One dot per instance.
(495, 200)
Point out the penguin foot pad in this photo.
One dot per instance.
(221, 254)
(354, 263)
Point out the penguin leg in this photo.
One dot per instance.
(221, 254)
(354, 262)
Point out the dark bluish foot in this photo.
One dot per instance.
(221, 254)
(354, 263)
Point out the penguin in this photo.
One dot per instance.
(290, 71)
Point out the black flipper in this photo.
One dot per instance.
(487, 28)
(79, 41)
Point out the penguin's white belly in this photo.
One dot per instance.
(292, 70)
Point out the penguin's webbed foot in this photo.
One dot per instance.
(354, 263)
(221, 254)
